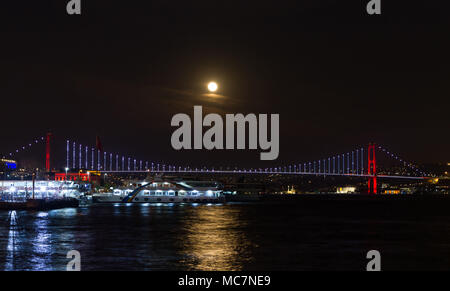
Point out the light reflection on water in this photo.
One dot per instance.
(122, 237)
(30, 241)
(41, 245)
(215, 240)
(11, 248)
(230, 236)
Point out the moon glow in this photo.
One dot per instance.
(212, 87)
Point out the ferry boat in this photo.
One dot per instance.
(164, 192)
(39, 195)
(11, 190)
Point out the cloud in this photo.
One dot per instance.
(186, 99)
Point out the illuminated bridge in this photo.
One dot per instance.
(359, 162)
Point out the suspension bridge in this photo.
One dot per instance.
(358, 162)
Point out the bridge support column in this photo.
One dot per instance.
(372, 169)
(47, 153)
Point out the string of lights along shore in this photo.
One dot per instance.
(354, 162)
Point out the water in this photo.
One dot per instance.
(295, 234)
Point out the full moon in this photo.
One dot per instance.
(212, 87)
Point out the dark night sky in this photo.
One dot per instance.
(337, 77)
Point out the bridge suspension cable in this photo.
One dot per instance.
(410, 165)
(351, 163)
(25, 147)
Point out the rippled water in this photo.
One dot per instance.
(283, 235)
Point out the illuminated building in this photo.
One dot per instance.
(7, 165)
(391, 191)
(345, 190)
(93, 177)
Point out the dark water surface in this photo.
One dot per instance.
(293, 234)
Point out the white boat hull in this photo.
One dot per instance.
(110, 198)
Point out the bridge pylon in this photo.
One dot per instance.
(47, 152)
(372, 169)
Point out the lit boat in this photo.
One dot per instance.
(164, 192)
(39, 195)
(22, 190)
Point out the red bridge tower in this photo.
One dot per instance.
(372, 169)
(47, 153)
